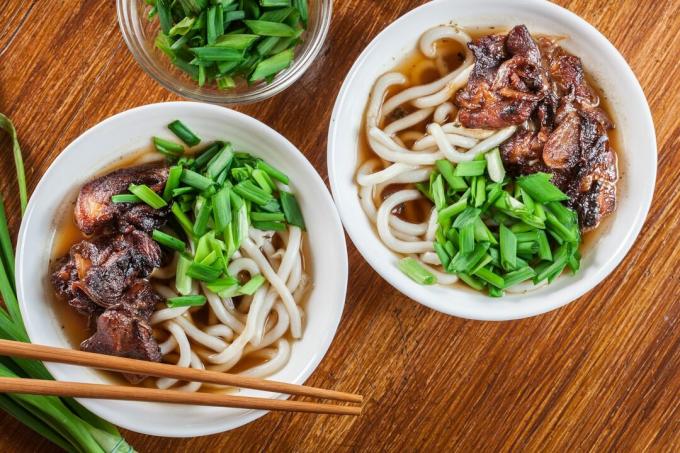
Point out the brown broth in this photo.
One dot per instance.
(412, 66)
(75, 326)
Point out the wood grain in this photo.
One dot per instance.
(600, 374)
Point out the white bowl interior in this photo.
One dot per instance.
(631, 114)
(117, 137)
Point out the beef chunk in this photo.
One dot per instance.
(562, 147)
(121, 333)
(563, 129)
(95, 211)
(97, 272)
(507, 82)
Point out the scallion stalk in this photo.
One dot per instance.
(416, 272)
(147, 195)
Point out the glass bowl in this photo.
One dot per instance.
(139, 34)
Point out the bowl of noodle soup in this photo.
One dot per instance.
(395, 116)
(281, 331)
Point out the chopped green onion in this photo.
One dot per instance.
(263, 180)
(174, 176)
(291, 210)
(467, 217)
(251, 192)
(491, 277)
(252, 285)
(196, 300)
(416, 272)
(126, 198)
(438, 195)
(494, 165)
(206, 155)
(272, 65)
(167, 147)
(466, 242)
(269, 225)
(508, 248)
(164, 15)
(147, 195)
(264, 28)
(202, 218)
(446, 169)
(183, 220)
(470, 168)
(168, 240)
(183, 282)
(471, 281)
(222, 209)
(196, 180)
(518, 276)
(540, 189)
(220, 162)
(267, 216)
(203, 272)
(442, 254)
(184, 133)
(236, 41)
(223, 284)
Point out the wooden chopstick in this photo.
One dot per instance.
(120, 392)
(121, 364)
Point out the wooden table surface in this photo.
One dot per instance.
(602, 373)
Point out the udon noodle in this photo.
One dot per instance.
(258, 327)
(406, 155)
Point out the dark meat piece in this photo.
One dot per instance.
(95, 211)
(566, 134)
(562, 148)
(124, 330)
(507, 82)
(592, 205)
(98, 272)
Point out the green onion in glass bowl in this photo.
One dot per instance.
(250, 51)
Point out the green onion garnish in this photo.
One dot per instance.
(168, 240)
(126, 198)
(147, 195)
(203, 272)
(174, 176)
(167, 147)
(193, 179)
(249, 191)
(540, 189)
(416, 272)
(184, 133)
(291, 210)
(222, 209)
(252, 285)
(186, 301)
(471, 168)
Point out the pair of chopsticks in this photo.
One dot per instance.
(124, 365)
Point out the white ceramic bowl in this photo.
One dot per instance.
(631, 115)
(129, 131)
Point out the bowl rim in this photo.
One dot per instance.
(400, 282)
(281, 82)
(321, 346)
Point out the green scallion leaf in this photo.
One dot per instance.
(416, 272)
(184, 133)
(196, 300)
(147, 195)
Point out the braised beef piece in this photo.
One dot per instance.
(537, 85)
(95, 211)
(124, 330)
(105, 277)
(507, 81)
(99, 271)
